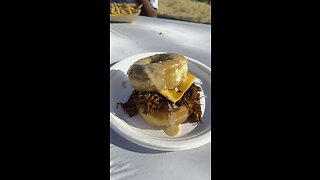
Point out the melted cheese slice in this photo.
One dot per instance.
(175, 94)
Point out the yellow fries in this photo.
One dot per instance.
(120, 9)
(128, 8)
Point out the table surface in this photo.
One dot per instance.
(131, 161)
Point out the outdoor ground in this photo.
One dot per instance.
(198, 11)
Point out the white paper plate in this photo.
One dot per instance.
(137, 131)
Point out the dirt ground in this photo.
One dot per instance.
(187, 10)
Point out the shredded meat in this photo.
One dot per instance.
(191, 99)
(130, 107)
(153, 102)
(149, 101)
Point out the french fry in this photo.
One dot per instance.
(139, 7)
(129, 8)
(117, 8)
(112, 11)
(123, 11)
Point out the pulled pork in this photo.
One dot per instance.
(153, 102)
(191, 99)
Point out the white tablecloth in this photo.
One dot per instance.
(129, 161)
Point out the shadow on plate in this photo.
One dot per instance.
(113, 64)
(122, 143)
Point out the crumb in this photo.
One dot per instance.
(124, 84)
(118, 105)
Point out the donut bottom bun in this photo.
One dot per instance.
(168, 120)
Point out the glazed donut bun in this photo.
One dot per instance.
(168, 120)
(158, 72)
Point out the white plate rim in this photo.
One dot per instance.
(169, 145)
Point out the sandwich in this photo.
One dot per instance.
(165, 93)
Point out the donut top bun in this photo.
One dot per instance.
(158, 72)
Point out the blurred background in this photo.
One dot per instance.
(198, 11)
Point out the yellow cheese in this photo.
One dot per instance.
(175, 94)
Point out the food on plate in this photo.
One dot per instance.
(120, 9)
(165, 93)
